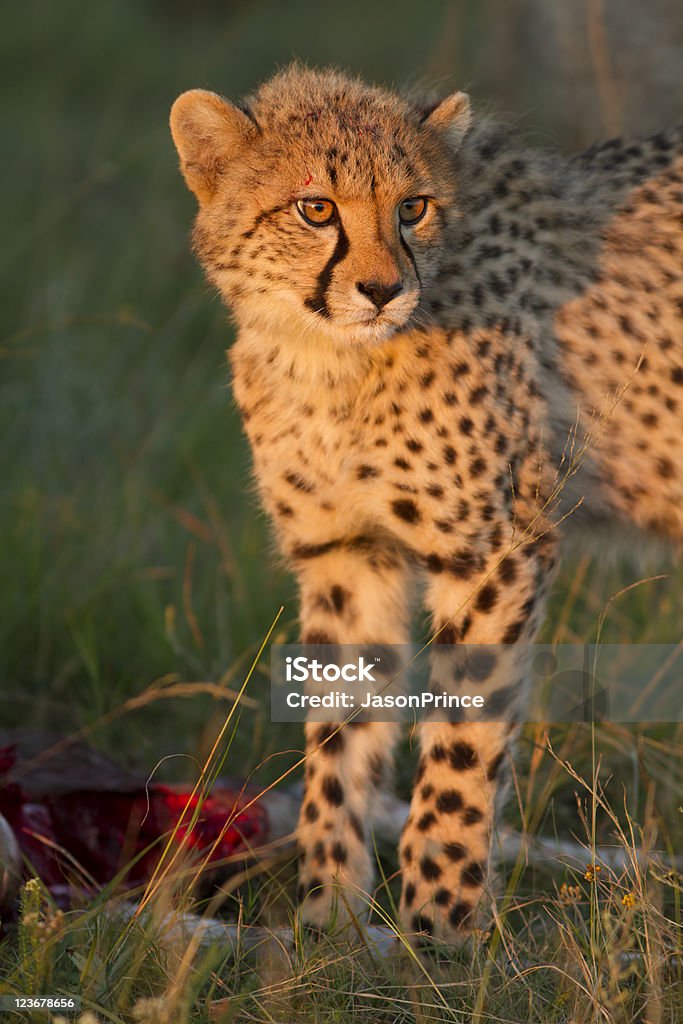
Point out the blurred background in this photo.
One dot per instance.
(133, 555)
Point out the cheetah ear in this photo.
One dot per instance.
(207, 131)
(451, 117)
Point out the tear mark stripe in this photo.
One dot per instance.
(409, 253)
(317, 302)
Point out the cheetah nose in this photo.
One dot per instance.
(378, 292)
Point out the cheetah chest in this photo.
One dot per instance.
(396, 450)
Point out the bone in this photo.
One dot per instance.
(10, 864)
(508, 846)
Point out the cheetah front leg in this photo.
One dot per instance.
(349, 595)
(446, 841)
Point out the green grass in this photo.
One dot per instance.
(133, 550)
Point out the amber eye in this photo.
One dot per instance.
(410, 211)
(316, 211)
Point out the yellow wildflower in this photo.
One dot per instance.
(569, 893)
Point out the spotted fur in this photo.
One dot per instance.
(526, 379)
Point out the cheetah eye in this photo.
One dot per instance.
(410, 211)
(316, 211)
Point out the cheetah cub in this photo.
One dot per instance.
(450, 353)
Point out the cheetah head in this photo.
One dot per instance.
(323, 203)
